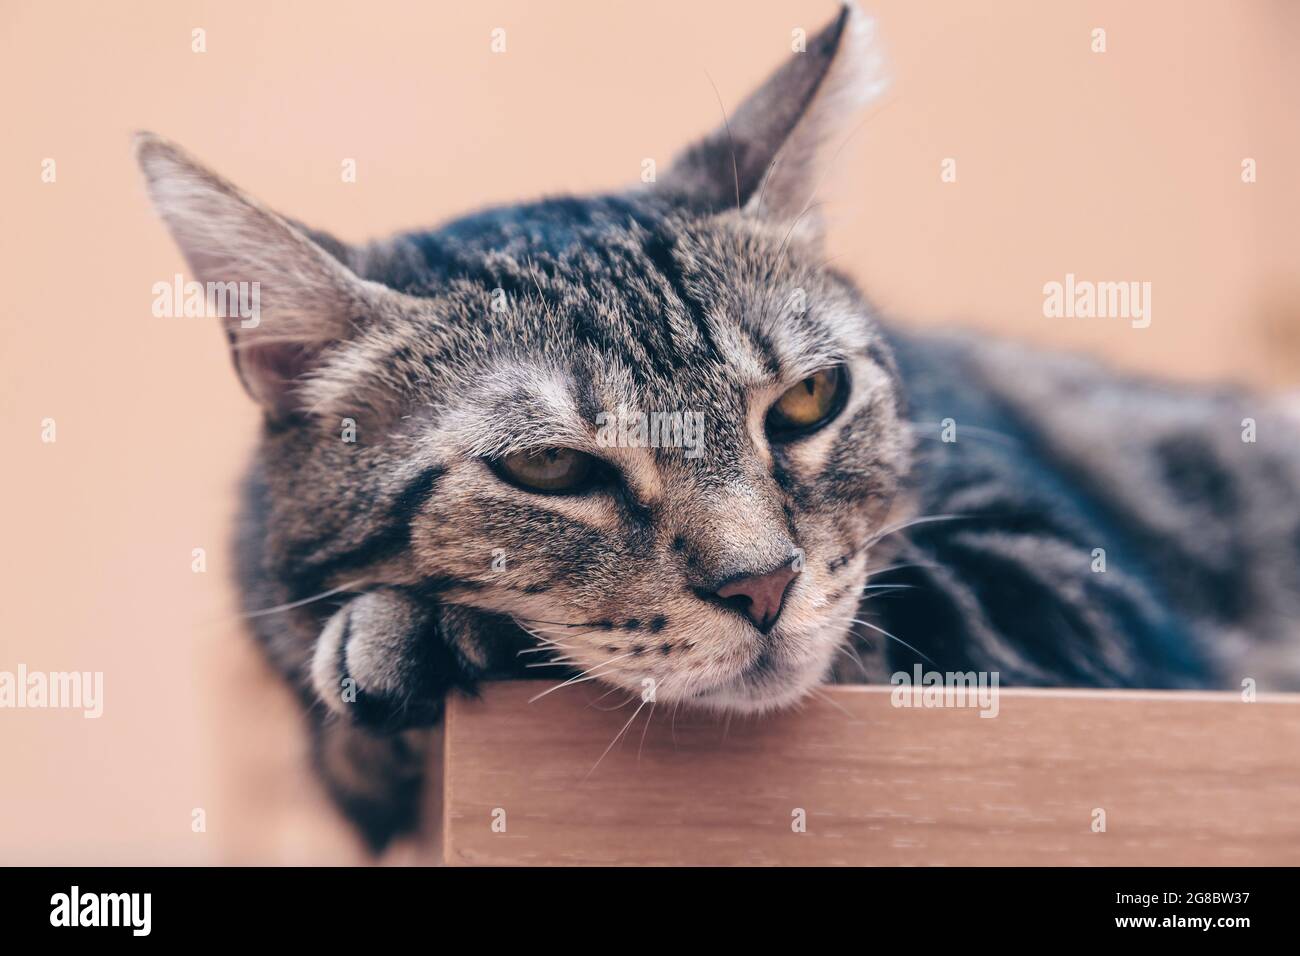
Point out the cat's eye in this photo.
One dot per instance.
(553, 471)
(808, 405)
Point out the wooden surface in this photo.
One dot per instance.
(1183, 778)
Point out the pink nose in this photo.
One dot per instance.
(762, 594)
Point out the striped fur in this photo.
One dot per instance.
(386, 571)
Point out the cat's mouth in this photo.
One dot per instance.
(773, 681)
(791, 663)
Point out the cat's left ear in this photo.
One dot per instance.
(305, 297)
(769, 158)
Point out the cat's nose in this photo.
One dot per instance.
(761, 594)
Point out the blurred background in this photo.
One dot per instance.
(1122, 165)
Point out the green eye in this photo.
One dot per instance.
(548, 470)
(809, 405)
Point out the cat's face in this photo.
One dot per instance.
(659, 438)
(757, 375)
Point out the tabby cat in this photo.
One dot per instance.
(434, 501)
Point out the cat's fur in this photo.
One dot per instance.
(705, 293)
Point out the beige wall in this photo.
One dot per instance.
(1122, 165)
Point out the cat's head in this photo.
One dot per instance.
(653, 428)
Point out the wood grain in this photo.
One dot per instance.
(1183, 778)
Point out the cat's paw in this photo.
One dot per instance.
(378, 663)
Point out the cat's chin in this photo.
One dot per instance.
(741, 699)
(746, 694)
(772, 684)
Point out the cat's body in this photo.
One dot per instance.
(1113, 531)
(1081, 529)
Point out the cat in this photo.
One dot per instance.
(430, 504)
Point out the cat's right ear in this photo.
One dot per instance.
(303, 297)
(769, 157)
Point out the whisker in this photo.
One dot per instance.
(855, 659)
(534, 620)
(645, 730)
(580, 679)
(899, 567)
(541, 650)
(881, 630)
(630, 696)
(821, 178)
(616, 739)
(731, 143)
(307, 600)
(547, 644)
(589, 674)
(912, 523)
(831, 700)
(551, 640)
(783, 250)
